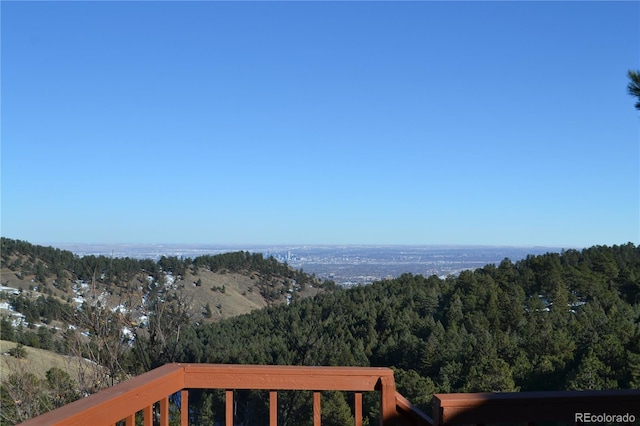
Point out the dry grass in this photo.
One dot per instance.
(242, 291)
(38, 362)
(241, 296)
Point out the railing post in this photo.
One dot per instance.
(184, 408)
(357, 402)
(229, 408)
(273, 408)
(164, 411)
(317, 409)
(387, 400)
(437, 412)
(130, 420)
(148, 415)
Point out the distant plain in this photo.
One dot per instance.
(345, 264)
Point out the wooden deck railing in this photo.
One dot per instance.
(568, 407)
(123, 401)
(153, 389)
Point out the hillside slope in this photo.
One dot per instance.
(229, 284)
(39, 361)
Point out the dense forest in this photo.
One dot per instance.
(557, 321)
(550, 322)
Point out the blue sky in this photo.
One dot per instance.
(499, 123)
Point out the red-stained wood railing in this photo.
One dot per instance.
(569, 407)
(119, 402)
(149, 393)
(142, 393)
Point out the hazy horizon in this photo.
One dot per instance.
(193, 250)
(291, 244)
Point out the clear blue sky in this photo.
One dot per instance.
(503, 123)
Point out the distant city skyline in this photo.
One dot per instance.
(155, 251)
(400, 123)
(344, 264)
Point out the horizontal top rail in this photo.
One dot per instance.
(532, 406)
(276, 377)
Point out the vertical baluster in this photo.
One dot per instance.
(273, 408)
(317, 409)
(130, 420)
(358, 408)
(184, 408)
(148, 415)
(229, 408)
(164, 411)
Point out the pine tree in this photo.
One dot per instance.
(207, 311)
(634, 86)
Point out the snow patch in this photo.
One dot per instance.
(9, 290)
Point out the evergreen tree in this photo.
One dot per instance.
(591, 374)
(634, 85)
(62, 387)
(6, 330)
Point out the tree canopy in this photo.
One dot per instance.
(634, 86)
